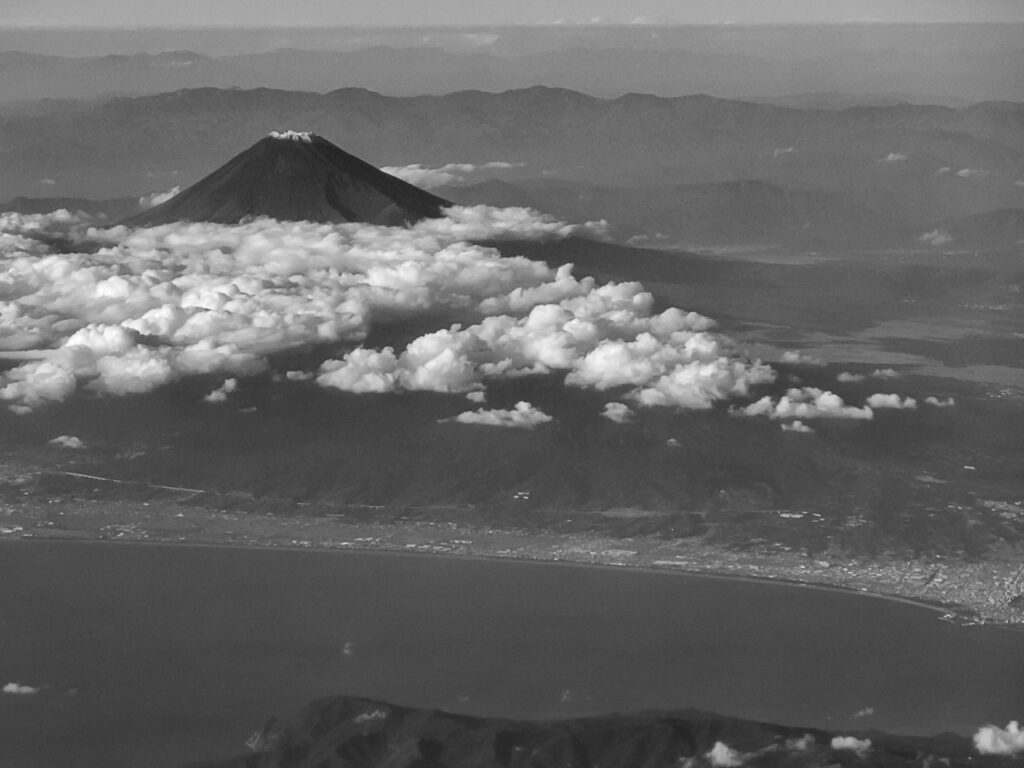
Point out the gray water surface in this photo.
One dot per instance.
(153, 655)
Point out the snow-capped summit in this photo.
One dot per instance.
(304, 136)
(296, 176)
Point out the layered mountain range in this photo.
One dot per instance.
(868, 168)
(945, 64)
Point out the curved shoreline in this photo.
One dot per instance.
(986, 592)
(518, 560)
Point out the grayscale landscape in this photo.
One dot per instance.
(503, 390)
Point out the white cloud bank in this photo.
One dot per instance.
(799, 358)
(806, 403)
(620, 413)
(936, 237)
(860, 746)
(68, 441)
(879, 400)
(993, 740)
(17, 689)
(451, 173)
(723, 756)
(156, 198)
(220, 394)
(147, 307)
(150, 306)
(523, 416)
(797, 426)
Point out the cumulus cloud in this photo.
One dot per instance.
(894, 157)
(880, 400)
(936, 402)
(48, 182)
(805, 403)
(796, 426)
(866, 712)
(477, 396)
(147, 307)
(780, 151)
(620, 413)
(156, 198)
(971, 173)
(936, 237)
(68, 441)
(150, 306)
(860, 746)
(17, 689)
(801, 744)
(793, 357)
(850, 378)
(602, 337)
(993, 740)
(885, 373)
(220, 394)
(723, 756)
(524, 416)
(451, 173)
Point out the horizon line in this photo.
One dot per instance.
(504, 25)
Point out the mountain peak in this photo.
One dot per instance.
(296, 176)
(304, 136)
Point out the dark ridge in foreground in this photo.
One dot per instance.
(354, 732)
(294, 176)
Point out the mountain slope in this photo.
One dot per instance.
(296, 177)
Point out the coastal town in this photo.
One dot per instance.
(989, 591)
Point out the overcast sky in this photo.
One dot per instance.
(107, 13)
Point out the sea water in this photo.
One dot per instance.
(154, 655)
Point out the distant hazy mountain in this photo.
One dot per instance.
(846, 100)
(994, 229)
(910, 164)
(691, 215)
(347, 731)
(294, 176)
(112, 210)
(946, 74)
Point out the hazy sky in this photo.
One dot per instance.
(107, 13)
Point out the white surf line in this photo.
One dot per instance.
(133, 482)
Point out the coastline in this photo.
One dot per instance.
(267, 532)
(474, 557)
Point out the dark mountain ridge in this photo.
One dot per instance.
(348, 731)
